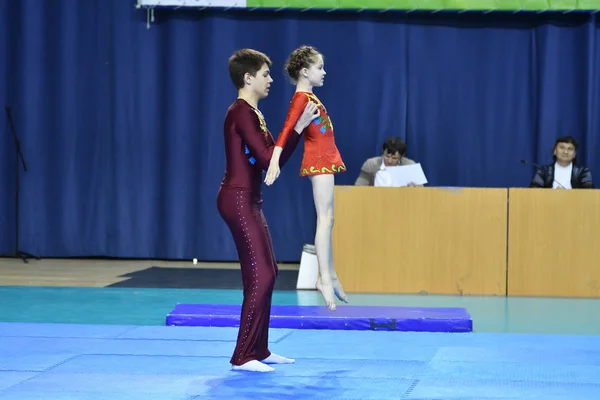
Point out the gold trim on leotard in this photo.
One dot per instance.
(324, 170)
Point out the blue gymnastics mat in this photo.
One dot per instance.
(319, 317)
(99, 362)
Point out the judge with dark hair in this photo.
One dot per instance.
(564, 173)
(393, 154)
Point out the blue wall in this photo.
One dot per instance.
(121, 126)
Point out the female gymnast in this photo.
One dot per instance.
(320, 162)
(248, 150)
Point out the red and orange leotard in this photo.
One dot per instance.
(321, 155)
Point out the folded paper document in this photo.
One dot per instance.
(401, 175)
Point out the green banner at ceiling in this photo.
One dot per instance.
(500, 5)
(381, 5)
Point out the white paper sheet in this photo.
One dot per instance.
(401, 175)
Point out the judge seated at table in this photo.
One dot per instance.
(393, 154)
(564, 173)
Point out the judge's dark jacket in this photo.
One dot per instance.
(581, 177)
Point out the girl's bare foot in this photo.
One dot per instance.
(326, 290)
(338, 290)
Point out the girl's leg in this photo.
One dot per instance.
(323, 186)
(337, 285)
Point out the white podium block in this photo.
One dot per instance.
(309, 268)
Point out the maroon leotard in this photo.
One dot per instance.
(248, 150)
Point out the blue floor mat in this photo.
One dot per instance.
(54, 361)
(377, 318)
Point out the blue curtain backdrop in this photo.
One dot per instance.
(121, 126)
